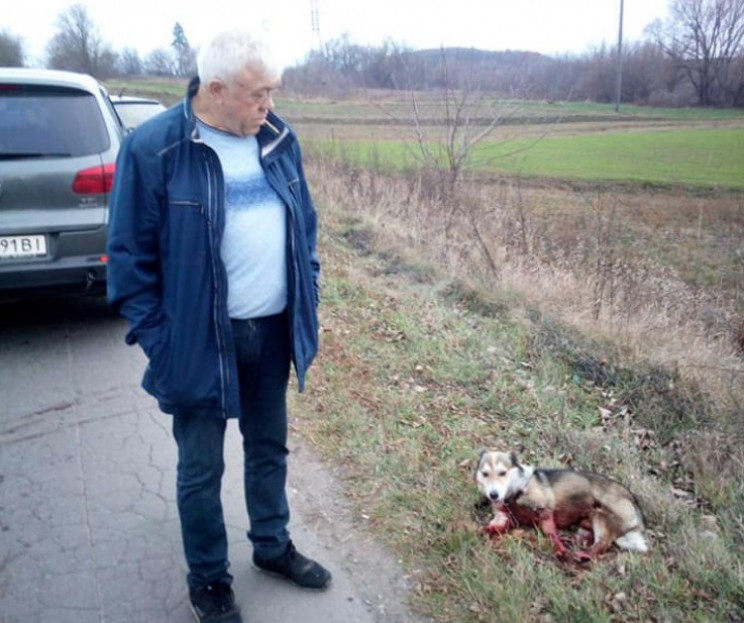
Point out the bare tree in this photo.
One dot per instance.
(77, 46)
(450, 131)
(341, 65)
(650, 75)
(160, 63)
(130, 63)
(597, 81)
(647, 73)
(705, 38)
(346, 57)
(465, 116)
(11, 50)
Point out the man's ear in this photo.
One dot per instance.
(216, 88)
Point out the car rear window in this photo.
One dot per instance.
(38, 121)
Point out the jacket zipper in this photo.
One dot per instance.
(287, 197)
(212, 222)
(292, 277)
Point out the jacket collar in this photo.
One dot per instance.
(271, 135)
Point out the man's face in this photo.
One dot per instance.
(246, 100)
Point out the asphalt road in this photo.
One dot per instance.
(88, 522)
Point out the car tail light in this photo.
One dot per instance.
(95, 180)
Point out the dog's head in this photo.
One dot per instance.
(500, 476)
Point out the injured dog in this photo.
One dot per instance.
(604, 511)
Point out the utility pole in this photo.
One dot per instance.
(619, 68)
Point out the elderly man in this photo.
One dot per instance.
(212, 261)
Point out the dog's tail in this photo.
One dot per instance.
(634, 541)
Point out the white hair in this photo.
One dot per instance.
(228, 53)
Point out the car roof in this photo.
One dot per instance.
(26, 75)
(131, 99)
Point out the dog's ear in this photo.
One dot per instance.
(515, 462)
(481, 452)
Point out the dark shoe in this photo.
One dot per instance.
(215, 603)
(295, 567)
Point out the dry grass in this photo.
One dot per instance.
(657, 274)
(586, 326)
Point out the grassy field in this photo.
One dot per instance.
(698, 157)
(710, 158)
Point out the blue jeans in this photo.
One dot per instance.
(263, 353)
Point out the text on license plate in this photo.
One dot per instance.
(22, 246)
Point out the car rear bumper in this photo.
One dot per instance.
(71, 275)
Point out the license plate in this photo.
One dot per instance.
(22, 246)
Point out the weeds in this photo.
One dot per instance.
(416, 374)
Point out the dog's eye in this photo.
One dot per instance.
(485, 474)
(503, 473)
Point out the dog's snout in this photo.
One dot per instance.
(494, 495)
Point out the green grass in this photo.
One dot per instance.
(701, 157)
(688, 157)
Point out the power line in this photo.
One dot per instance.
(315, 21)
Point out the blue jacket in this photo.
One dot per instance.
(165, 273)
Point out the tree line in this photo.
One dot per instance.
(695, 57)
(78, 46)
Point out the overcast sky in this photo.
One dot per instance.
(547, 26)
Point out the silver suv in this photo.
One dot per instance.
(59, 137)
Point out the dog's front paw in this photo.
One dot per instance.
(500, 524)
(584, 537)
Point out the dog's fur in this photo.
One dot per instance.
(603, 510)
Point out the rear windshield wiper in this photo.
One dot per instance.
(18, 155)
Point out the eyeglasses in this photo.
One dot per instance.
(258, 96)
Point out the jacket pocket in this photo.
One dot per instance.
(157, 354)
(183, 369)
(186, 204)
(150, 340)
